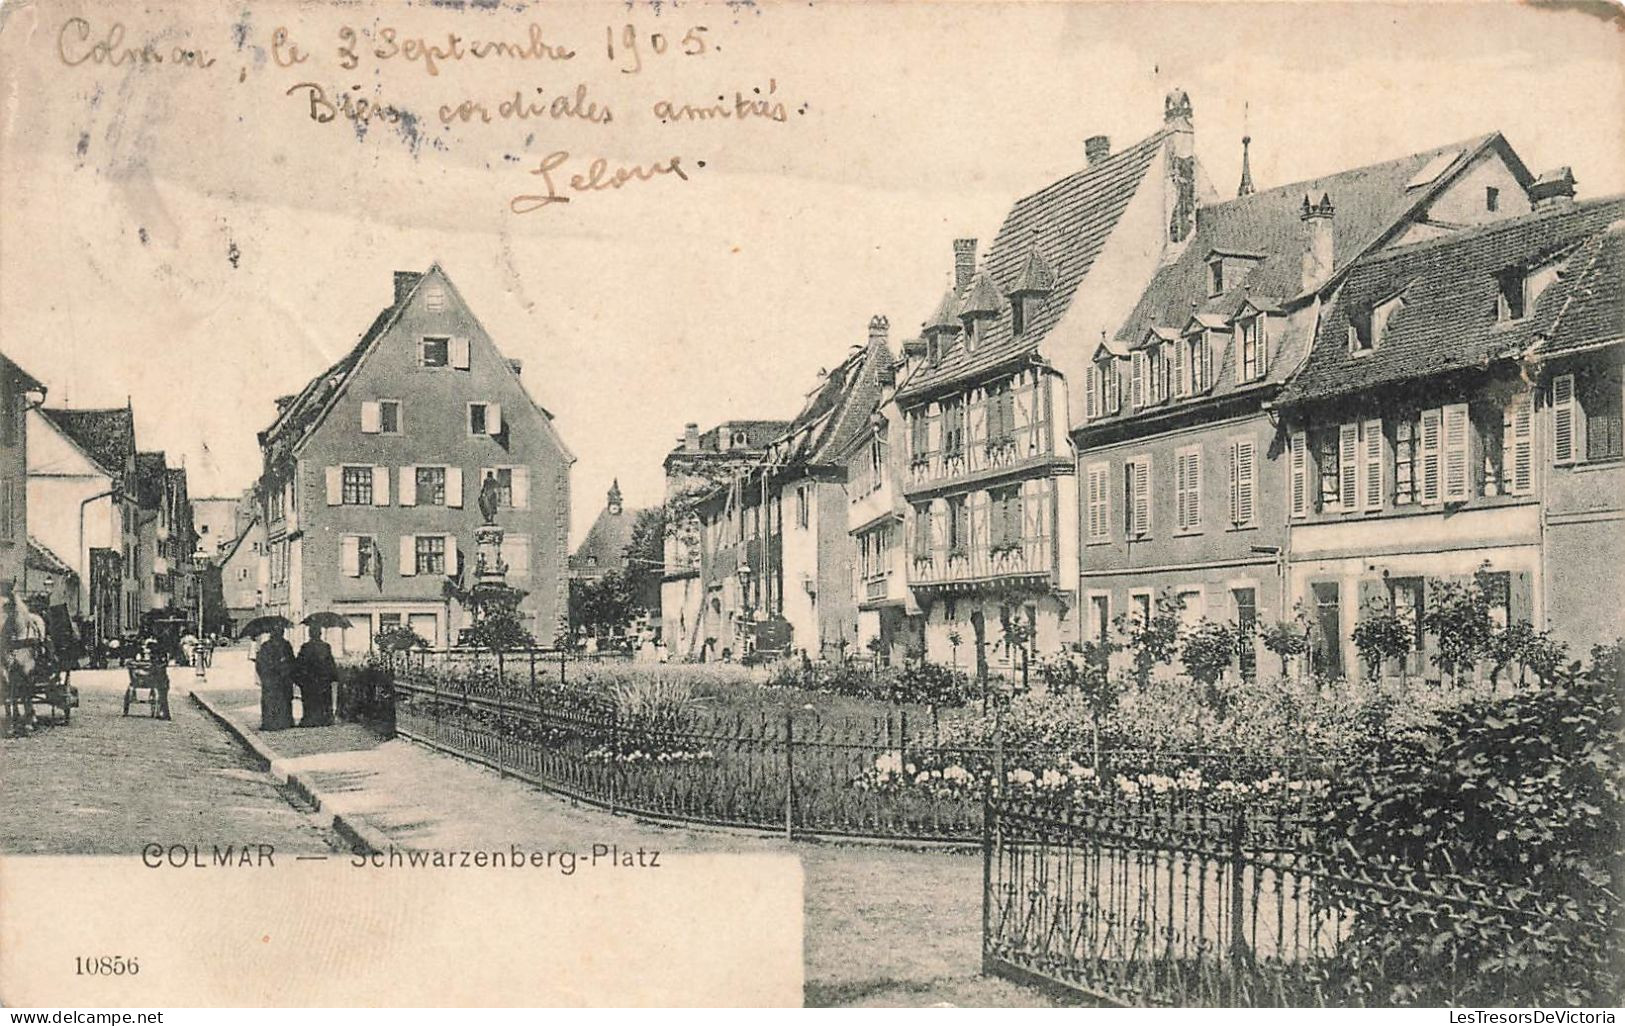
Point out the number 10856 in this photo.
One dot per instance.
(106, 965)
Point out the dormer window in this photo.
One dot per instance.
(933, 350)
(1250, 348)
(1511, 295)
(1367, 327)
(1215, 276)
(1018, 318)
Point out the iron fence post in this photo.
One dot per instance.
(1238, 935)
(532, 653)
(987, 877)
(789, 774)
(614, 748)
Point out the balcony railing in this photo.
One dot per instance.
(1032, 557)
(876, 588)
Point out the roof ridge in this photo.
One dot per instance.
(1492, 227)
(1465, 146)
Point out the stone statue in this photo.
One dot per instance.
(490, 497)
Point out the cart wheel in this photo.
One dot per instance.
(129, 693)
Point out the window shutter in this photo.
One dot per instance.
(409, 555)
(1095, 383)
(335, 485)
(1245, 475)
(1519, 451)
(351, 556)
(1432, 444)
(1091, 501)
(380, 486)
(370, 420)
(1207, 361)
(493, 419)
(459, 352)
(454, 487)
(1263, 344)
(1233, 458)
(1520, 597)
(409, 486)
(1182, 484)
(1114, 387)
(1142, 496)
(1371, 464)
(1298, 470)
(1348, 455)
(1456, 462)
(516, 553)
(1180, 386)
(1563, 442)
(1137, 381)
(454, 556)
(521, 488)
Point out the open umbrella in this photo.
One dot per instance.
(324, 620)
(264, 625)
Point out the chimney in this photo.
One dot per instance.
(1318, 254)
(878, 325)
(517, 366)
(1097, 148)
(691, 437)
(1177, 121)
(964, 262)
(405, 281)
(1553, 190)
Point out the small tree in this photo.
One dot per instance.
(1532, 650)
(955, 639)
(1381, 635)
(1288, 638)
(1459, 617)
(1153, 640)
(1085, 673)
(1018, 634)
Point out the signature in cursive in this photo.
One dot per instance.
(597, 177)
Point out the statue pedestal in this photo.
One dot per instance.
(488, 565)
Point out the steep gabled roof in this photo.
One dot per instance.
(40, 557)
(26, 382)
(149, 479)
(836, 410)
(1369, 203)
(1449, 290)
(604, 547)
(106, 436)
(1069, 222)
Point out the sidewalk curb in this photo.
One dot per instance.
(362, 837)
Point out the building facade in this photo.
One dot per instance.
(372, 475)
(1458, 418)
(702, 464)
(986, 415)
(82, 495)
(1181, 456)
(19, 394)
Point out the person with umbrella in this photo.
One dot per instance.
(315, 671)
(273, 664)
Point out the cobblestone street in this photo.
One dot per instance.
(106, 784)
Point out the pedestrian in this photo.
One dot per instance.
(273, 664)
(158, 669)
(315, 671)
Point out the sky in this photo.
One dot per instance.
(191, 240)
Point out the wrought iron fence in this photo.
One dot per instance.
(789, 770)
(1154, 903)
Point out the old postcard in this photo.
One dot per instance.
(679, 503)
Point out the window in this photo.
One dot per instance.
(1004, 516)
(1369, 484)
(1510, 295)
(877, 462)
(435, 352)
(1250, 357)
(1243, 482)
(958, 526)
(919, 437)
(1298, 474)
(1329, 466)
(1137, 497)
(1192, 605)
(933, 348)
(1360, 340)
(504, 485)
(1405, 596)
(802, 504)
(1099, 623)
(1188, 489)
(358, 556)
(1215, 276)
(1405, 430)
(430, 553)
(431, 485)
(1111, 387)
(1600, 400)
(1246, 602)
(1137, 379)
(922, 531)
(953, 428)
(1098, 502)
(1139, 604)
(389, 417)
(389, 622)
(1328, 650)
(1160, 366)
(515, 554)
(739, 438)
(1018, 315)
(8, 510)
(1492, 199)
(1457, 450)
(357, 486)
(485, 419)
(1001, 414)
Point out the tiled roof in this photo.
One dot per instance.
(1369, 202)
(149, 479)
(1449, 290)
(299, 415)
(836, 410)
(1591, 310)
(604, 547)
(40, 557)
(25, 381)
(1069, 222)
(1036, 276)
(106, 436)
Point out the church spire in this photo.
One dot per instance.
(1246, 187)
(615, 496)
